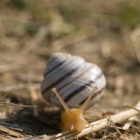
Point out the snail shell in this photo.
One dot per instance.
(74, 79)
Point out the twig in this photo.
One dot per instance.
(8, 67)
(42, 137)
(3, 104)
(130, 120)
(34, 98)
(111, 123)
(122, 116)
(128, 124)
(18, 87)
(10, 132)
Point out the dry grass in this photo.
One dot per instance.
(105, 33)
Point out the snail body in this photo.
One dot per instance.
(73, 119)
(73, 80)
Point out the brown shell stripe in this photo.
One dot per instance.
(53, 68)
(81, 88)
(95, 94)
(60, 88)
(60, 80)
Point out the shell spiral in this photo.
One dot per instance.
(74, 79)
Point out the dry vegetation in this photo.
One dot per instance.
(104, 32)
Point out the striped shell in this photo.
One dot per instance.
(74, 79)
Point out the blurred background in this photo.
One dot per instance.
(106, 33)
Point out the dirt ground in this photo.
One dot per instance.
(105, 33)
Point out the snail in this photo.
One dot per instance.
(74, 84)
